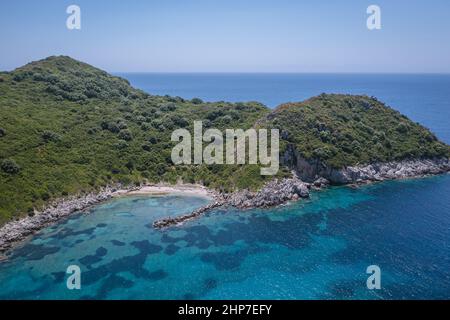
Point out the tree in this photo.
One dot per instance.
(170, 106)
(146, 146)
(153, 140)
(121, 144)
(48, 136)
(10, 166)
(125, 135)
(402, 128)
(179, 121)
(197, 101)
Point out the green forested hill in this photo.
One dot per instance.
(67, 127)
(342, 130)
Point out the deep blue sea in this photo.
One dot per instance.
(314, 249)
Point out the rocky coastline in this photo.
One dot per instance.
(274, 193)
(18, 230)
(279, 191)
(310, 170)
(307, 176)
(388, 171)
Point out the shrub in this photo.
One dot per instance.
(10, 166)
(104, 125)
(48, 136)
(240, 105)
(197, 101)
(19, 76)
(179, 121)
(92, 130)
(129, 165)
(146, 146)
(157, 123)
(402, 128)
(323, 153)
(140, 119)
(30, 212)
(153, 140)
(38, 77)
(121, 144)
(125, 135)
(234, 114)
(214, 114)
(121, 124)
(226, 119)
(90, 93)
(356, 146)
(170, 106)
(110, 126)
(207, 123)
(325, 136)
(45, 196)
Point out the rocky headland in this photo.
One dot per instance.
(272, 194)
(115, 132)
(279, 191)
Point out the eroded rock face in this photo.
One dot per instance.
(312, 170)
(321, 183)
(388, 171)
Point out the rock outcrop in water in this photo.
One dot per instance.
(273, 193)
(166, 222)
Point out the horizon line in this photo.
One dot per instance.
(281, 72)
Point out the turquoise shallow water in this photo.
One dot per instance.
(312, 249)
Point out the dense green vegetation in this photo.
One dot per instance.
(67, 127)
(342, 130)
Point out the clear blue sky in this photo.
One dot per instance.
(231, 35)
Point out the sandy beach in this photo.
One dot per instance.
(16, 231)
(163, 189)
